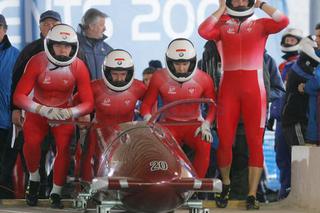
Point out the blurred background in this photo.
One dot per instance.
(145, 27)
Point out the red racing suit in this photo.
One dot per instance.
(51, 87)
(111, 108)
(199, 86)
(242, 92)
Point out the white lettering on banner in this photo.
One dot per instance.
(8, 3)
(137, 35)
(151, 20)
(67, 5)
(169, 5)
(168, 9)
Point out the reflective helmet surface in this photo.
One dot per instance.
(61, 34)
(291, 32)
(118, 60)
(181, 50)
(240, 12)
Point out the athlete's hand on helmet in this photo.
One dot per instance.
(205, 132)
(258, 3)
(222, 4)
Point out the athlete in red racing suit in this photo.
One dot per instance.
(52, 75)
(242, 93)
(172, 85)
(115, 98)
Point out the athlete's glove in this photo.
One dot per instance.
(65, 113)
(147, 117)
(53, 113)
(205, 131)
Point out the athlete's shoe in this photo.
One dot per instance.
(252, 203)
(55, 201)
(223, 197)
(32, 193)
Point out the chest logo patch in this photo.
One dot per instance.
(127, 102)
(47, 80)
(106, 102)
(172, 90)
(191, 90)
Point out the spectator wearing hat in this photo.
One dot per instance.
(93, 48)
(8, 57)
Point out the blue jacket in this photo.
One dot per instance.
(92, 52)
(277, 89)
(277, 105)
(8, 57)
(312, 88)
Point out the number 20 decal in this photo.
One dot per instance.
(158, 165)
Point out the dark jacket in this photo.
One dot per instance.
(272, 78)
(92, 52)
(25, 55)
(296, 103)
(8, 57)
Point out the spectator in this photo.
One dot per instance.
(294, 114)
(93, 49)
(8, 56)
(289, 46)
(312, 88)
(155, 64)
(147, 74)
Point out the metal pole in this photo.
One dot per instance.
(314, 14)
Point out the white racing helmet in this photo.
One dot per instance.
(240, 12)
(292, 32)
(181, 50)
(308, 58)
(62, 34)
(118, 60)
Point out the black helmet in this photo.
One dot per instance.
(118, 60)
(61, 34)
(181, 50)
(240, 12)
(292, 32)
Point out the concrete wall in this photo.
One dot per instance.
(305, 178)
